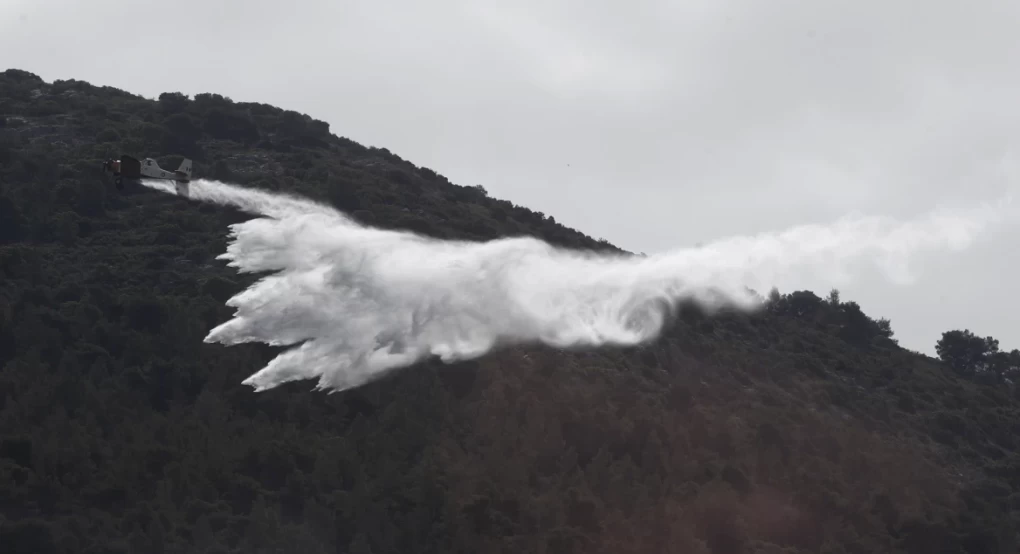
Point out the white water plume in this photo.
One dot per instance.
(358, 302)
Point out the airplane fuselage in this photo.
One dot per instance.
(152, 170)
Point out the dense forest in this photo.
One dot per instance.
(801, 428)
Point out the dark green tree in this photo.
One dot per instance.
(965, 352)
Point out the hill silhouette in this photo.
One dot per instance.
(800, 428)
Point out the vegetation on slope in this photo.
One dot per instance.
(802, 428)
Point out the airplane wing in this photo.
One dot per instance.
(130, 167)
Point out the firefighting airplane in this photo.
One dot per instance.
(128, 167)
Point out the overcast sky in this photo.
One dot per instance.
(651, 124)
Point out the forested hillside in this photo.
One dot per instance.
(803, 428)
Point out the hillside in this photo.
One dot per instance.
(803, 428)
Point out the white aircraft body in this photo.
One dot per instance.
(128, 167)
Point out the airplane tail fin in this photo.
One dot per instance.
(185, 168)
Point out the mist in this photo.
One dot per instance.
(356, 302)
